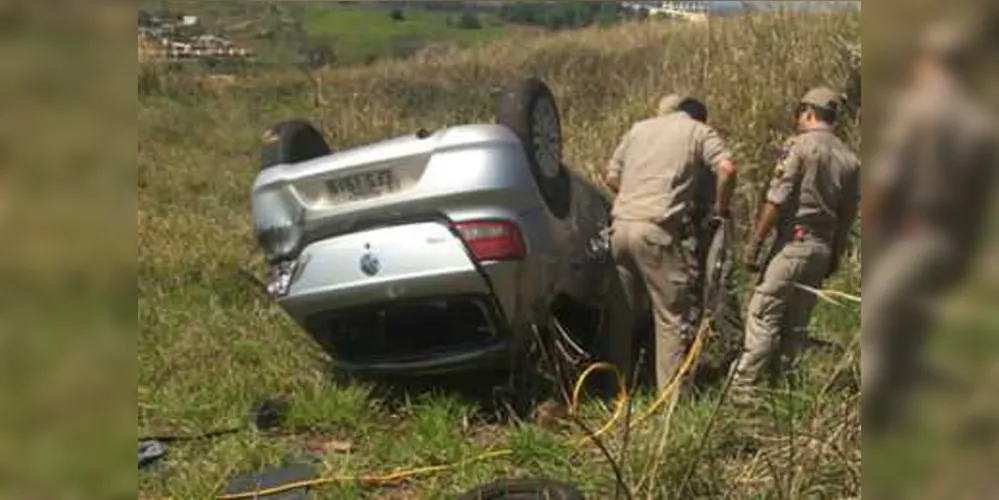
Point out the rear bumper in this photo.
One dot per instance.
(307, 304)
(424, 336)
(488, 356)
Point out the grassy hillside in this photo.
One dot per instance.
(281, 33)
(367, 33)
(209, 346)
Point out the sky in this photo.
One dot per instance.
(793, 4)
(736, 5)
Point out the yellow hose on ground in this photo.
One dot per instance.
(624, 396)
(367, 479)
(620, 406)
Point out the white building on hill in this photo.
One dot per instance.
(689, 11)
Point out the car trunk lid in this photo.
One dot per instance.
(382, 264)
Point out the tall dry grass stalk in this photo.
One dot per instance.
(150, 74)
(150, 78)
(143, 50)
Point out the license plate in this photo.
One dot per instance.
(361, 186)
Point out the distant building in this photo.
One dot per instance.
(688, 11)
(176, 48)
(161, 40)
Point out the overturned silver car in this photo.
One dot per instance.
(435, 252)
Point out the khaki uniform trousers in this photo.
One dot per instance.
(655, 264)
(902, 289)
(779, 312)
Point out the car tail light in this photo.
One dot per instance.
(492, 240)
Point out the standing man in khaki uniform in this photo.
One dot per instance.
(926, 204)
(813, 201)
(654, 171)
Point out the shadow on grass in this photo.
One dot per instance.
(485, 391)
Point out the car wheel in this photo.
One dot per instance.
(528, 109)
(291, 142)
(524, 489)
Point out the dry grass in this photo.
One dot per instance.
(209, 346)
(144, 51)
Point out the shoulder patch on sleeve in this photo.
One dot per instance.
(781, 154)
(784, 151)
(779, 171)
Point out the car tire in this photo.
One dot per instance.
(291, 142)
(528, 109)
(524, 489)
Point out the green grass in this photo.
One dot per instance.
(361, 33)
(356, 33)
(210, 347)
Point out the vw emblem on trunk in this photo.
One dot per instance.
(370, 264)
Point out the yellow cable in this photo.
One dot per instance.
(623, 396)
(367, 479)
(688, 365)
(829, 295)
(620, 406)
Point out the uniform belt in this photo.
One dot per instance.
(799, 232)
(671, 225)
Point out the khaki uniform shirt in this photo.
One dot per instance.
(657, 164)
(936, 163)
(816, 185)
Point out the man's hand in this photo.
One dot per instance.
(764, 225)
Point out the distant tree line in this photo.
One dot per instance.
(467, 21)
(438, 5)
(562, 14)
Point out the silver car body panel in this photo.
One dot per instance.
(465, 173)
(431, 259)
